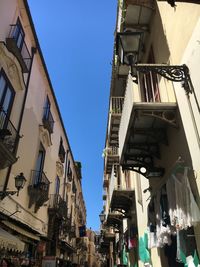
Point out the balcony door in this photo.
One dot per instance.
(150, 83)
(46, 109)
(57, 185)
(39, 165)
(6, 99)
(19, 35)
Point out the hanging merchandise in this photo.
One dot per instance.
(132, 240)
(124, 258)
(183, 209)
(196, 259)
(143, 251)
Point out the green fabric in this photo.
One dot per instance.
(124, 256)
(196, 259)
(143, 251)
(183, 257)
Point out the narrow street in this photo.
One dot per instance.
(61, 64)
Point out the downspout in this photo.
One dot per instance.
(33, 51)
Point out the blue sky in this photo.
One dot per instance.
(76, 38)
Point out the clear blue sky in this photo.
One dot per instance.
(76, 38)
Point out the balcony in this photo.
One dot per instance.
(149, 109)
(121, 197)
(38, 189)
(9, 139)
(57, 205)
(105, 182)
(16, 44)
(82, 243)
(138, 13)
(115, 220)
(116, 106)
(47, 120)
(111, 157)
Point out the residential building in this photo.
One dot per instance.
(151, 156)
(41, 221)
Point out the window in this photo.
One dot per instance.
(46, 108)
(61, 152)
(39, 165)
(57, 185)
(19, 35)
(6, 96)
(47, 116)
(69, 172)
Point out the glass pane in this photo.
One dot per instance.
(15, 32)
(2, 86)
(57, 185)
(39, 161)
(19, 41)
(130, 42)
(7, 100)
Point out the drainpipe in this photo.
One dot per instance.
(33, 51)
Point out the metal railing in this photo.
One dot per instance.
(40, 181)
(57, 203)
(48, 120)
(15, 33)
(112, 151)
(8, 133)
(149, 86)
(116, 105)
(54, 200)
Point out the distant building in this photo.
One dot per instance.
(152, 150)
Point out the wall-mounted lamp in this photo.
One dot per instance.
(102, 216)
(128, 45)
(19, 184)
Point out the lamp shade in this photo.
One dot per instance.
(20, 181)
(102, 217)
(128, 46)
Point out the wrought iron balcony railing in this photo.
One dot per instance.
(38, 189)
(40, 181)
(48, 120)
(9, 138)
(116, 105)
(16, 44)
(58, 205)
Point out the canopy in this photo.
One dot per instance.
(9, 241)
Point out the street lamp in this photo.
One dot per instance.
(102, 216)
(19, 184)
(128, 46)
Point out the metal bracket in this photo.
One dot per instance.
(4, 194)
(176, 73)
(168, 116)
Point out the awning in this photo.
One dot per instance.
(21, 231)
(9, 241)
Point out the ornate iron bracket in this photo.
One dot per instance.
(148, 172)
(168, 116)
(176, 73)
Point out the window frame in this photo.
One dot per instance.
(20, 32)
(5, 89)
